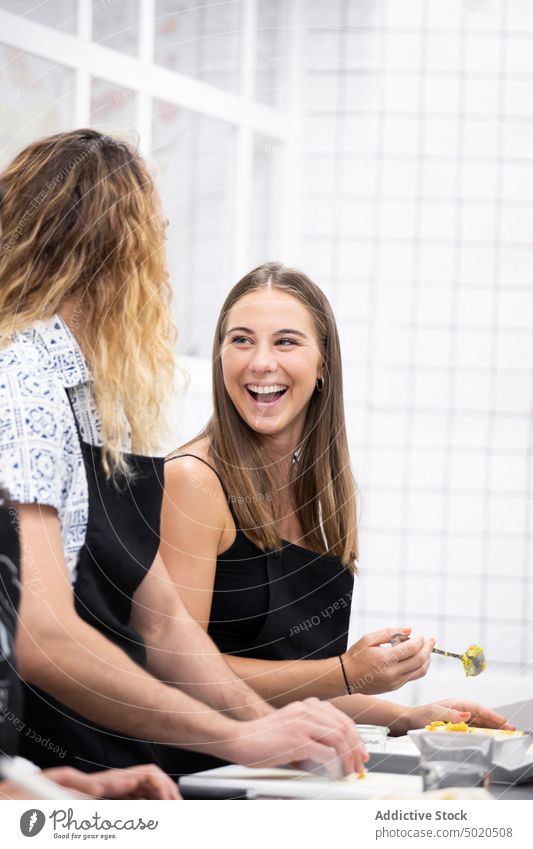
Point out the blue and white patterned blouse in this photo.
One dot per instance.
(40, 455)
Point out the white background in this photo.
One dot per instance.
(386, 147)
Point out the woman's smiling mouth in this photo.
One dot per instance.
(266, 394)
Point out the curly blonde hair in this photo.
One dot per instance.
(80, 216)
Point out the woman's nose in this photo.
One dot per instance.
(263, 360)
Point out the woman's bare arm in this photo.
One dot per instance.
(193, 520)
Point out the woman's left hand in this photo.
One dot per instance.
(456, 710)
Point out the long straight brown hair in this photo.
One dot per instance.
(321, 482)
(79, 215)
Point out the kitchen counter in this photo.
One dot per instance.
(402, 765)
(389, 773)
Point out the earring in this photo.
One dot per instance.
(319, 384)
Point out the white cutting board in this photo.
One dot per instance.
(300, 785)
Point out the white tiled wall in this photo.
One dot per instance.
(418, 222)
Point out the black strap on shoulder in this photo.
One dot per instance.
(209, 466)
(80, 437)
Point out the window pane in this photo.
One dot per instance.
(36, 99)
(271, 56)
(112, 106)
(116, 25)
(266, 199)
(196, 159)
(202, 40)
(61, 14)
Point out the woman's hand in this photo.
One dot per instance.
(455, 710)
(146, 781)
(372, 667)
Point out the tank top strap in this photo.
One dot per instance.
(209, 466)
(80, 437)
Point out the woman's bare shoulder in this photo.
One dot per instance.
(189, 473)
(199, 448)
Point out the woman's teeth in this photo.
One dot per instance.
(266, 393)
(266, 390)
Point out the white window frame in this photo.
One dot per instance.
(154, 82)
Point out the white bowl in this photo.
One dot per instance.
(506, 751)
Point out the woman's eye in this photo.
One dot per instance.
(240, 340)
(285, 343)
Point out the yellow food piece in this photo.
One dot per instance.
(448, 726)
(355, 776)
(457, 726)
(467, 658)
(462, 726)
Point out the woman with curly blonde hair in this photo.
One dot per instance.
(86, 359)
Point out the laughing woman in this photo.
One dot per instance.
(259, 524)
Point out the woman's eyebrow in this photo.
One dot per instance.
(290, 330)
(275, 333)
(242, 329)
